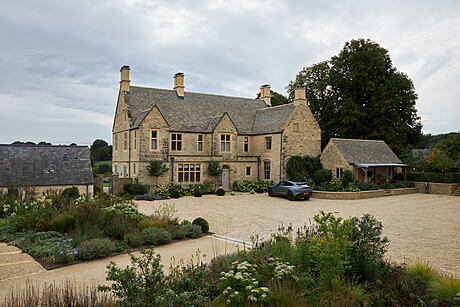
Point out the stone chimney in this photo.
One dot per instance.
(179, 84)
(124, 79)
(300, 96)
(265, 94)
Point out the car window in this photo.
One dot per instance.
(288, 183)
(282, 183)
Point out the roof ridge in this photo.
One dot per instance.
(227, 96)
(360, 140)
(275, 107)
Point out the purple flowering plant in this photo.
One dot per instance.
(62, 252)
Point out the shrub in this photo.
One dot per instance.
(156, 236)
(134, 239)
(235, 185)
(445, 288)
(197, 192)
(430, 177)
(192, 231)
(62, 252)
(369, 247)
(347, 178)
(148, 197)
(63, 223)
(220, 192)
(387, 186)
(166, 212)
(175, 194)
(335, 185)
(176, 231)
(176, 187)
(157, 168)
(117, 224)
(299, 168)
(151, 222)
(95, 248)
(133, 188)
(202, 223)
(163, 191)
(71, 192)
(367, 187)
(322, 177)
(214, 168)
(421, 272)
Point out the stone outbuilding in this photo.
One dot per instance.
(370, 161)
(40, 168)
(249, 138)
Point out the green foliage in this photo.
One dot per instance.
(156, 236)
(101, 151)
(62, 252)
(445, 288)
(163, 191)
(175, 194)
(220, 192)
(260, 186)
(347, 178)
(197, 192)
(451, 147)
(36, 244)
(102, 168)
(335, 185)
(422, 272)
(367, 187)
(134, 239)
(353, 93)
(63, 223)
(199, 221)
(439, 161)
(277, 99)
(214, 168)
(95, 248)
(156, 168)
(176, 190)
(134, 188)
(369, 247)
(431, 177)
(330, 245)
(143, 283)
(71, 192)
(387, 186)
(191, 231)
(300, 168)
(322, 177)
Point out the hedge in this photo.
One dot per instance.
(430, 177)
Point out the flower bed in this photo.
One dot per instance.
(59, 229)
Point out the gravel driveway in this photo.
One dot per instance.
(421, 227)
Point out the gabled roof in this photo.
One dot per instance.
(42, 165)
(197, 112)
(366, 151)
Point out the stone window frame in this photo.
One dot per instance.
(268, 142)
(185, 172)
(246, 143)
(125, 170)
(339, 172)
(295, 127)
(134, 168)
(115, 169)
(115, 142)
(135, 140)
(157, 139)
(267, 169)
(200, 143)
(248, 170)
(226, 142)
(176, 141)
(125, 141)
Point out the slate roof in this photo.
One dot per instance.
(366, 151)
(198, 112)
(41, 165)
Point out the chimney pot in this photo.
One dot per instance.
(265, 94)
(124, 79)
(179, 84)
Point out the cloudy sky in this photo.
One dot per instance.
(60, 60)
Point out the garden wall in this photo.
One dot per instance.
(362, 194)
(348, 195)
(118, 183)
(437, 188)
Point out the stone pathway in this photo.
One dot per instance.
(16, 267)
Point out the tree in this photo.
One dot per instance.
(451, 147)
(101, 151)
(214, 168)
(156, 168)
(359, 94)
(440, 162)
(299, 168)
(277, 99)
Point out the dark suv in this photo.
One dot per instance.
(291, 189)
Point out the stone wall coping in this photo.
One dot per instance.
(440, 183)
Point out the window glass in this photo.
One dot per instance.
(225, 142)
(268, 142)
(154, 140)
(176, 141)
(248, 171)
(188, 173)
(267, 170)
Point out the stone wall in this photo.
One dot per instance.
(99, 182)
(331, 158)
(402, 191)
(348, 195)
(118, 183)
(437, 188)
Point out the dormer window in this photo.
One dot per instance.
(225, 142)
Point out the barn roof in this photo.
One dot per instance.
(43, 165)
(367, 152)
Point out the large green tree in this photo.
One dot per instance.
(359, 94)
(277, 99)
(101, 151)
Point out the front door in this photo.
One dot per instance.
(226, 179)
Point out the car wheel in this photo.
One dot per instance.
(290, 196)
(306, 197)
(270, 193)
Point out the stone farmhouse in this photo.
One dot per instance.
(248, 137)
(370, 161)
(39, 168)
